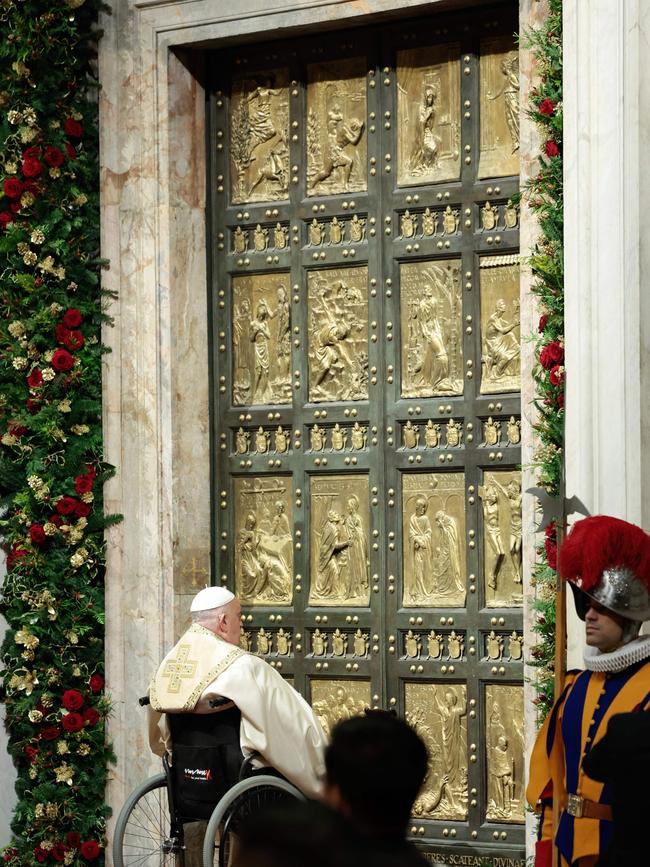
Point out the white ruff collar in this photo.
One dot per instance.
(620, 659)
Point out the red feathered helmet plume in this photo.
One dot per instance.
(609, 561)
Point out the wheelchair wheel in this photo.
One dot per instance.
(143, 834)
(243, 800)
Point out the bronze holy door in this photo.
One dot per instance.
(366, 410)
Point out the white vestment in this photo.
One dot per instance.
(276, 721)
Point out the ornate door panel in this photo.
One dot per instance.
(366, 408)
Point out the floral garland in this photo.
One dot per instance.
(545, 194)
(51, 467)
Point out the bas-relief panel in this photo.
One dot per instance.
(264, 549)
(261, 329)
(337, 148)
(433, 533)
(339, 548)
(428, 112)
(335, 700)
(499, 100)
(500, 329)
(504, 745)
(259, 136)
(338, 334)
(500, 496)
(438, 713)
(431, 310)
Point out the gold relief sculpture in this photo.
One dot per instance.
(408, 224)
(357, 228)
(282, 440)
(410, 435)
(245, 640)
(340, 562)
(259, 132)
(260, 239)
(339, 437)
(515, 646)
(280, 237)
(500, 494)
(500, 334)
(499, 101)
(428, 110)
(489, 217)
(454, 433)
(433, 522)
(360, 643)
(240, 240)
(434, 645)
(315, 233)
(264, 549)
(438, 713)
(504, 745)
(511, 215)
(336, 700)
(261, 340)
(358, 436)
(261, 441)
(264, 641)
(491, 432)
(317, 438)
(455, 645)
(337, 148)
(338, 334)
(339, 643)
(429, 222)
(242, 440)
(450, 221)
(283, 642)
(432, 329)
(493, 646)
(318, 643)
(412, 645)
(432, 435)
(336, 231)
(513, 430)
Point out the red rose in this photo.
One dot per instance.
(551, 354)
(72, 722)
(74, 340)
(62, 361)
(73, 840)
(72, 318)
(551, 553)
(31, 753)
(72, 699)
(547, 107)
(91, 717)
(96, 683)
(13, 188)
(33, 406)
(16, 429)
(83, 484)
(40, 854)
(66, 505)
(50, 733)
(16, 553)
(58, 851)
(551, 149)
(53, 157)
(72, 128)
(5, 219)
(560, 400)
(56, 520)
(71, 150)
(543, 319)
(37, 534)
(61, 332)
(32, 167)
(90, 850)
(35, 378)
(91, 471)
(82, 510)
(15, 207)
(556, 376)
(33, 151)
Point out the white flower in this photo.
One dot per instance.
(48, 374)
(28, 133)
(50, 529)
(20, 363)
(35, 482)
(80, 429)
(8, 440)
(16, 329)
(37, 237)
(11, 168)
(30, 258)
(27, 199)
(64, 406)
(14, 117)
(55, 172)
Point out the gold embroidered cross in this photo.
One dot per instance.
(179, 668)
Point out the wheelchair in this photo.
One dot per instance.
(207, 780)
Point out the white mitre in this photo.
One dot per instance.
(211, 597)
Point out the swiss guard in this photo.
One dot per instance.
(607, 563)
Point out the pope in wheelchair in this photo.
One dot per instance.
(212, 703)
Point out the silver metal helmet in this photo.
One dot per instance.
(619, 591)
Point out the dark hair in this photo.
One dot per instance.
(379, 764)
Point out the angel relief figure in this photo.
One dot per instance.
(510, 91)
(264, 571)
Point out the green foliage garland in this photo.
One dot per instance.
(51, 467)
(544, 193)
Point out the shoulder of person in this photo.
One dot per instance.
(630, 725)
